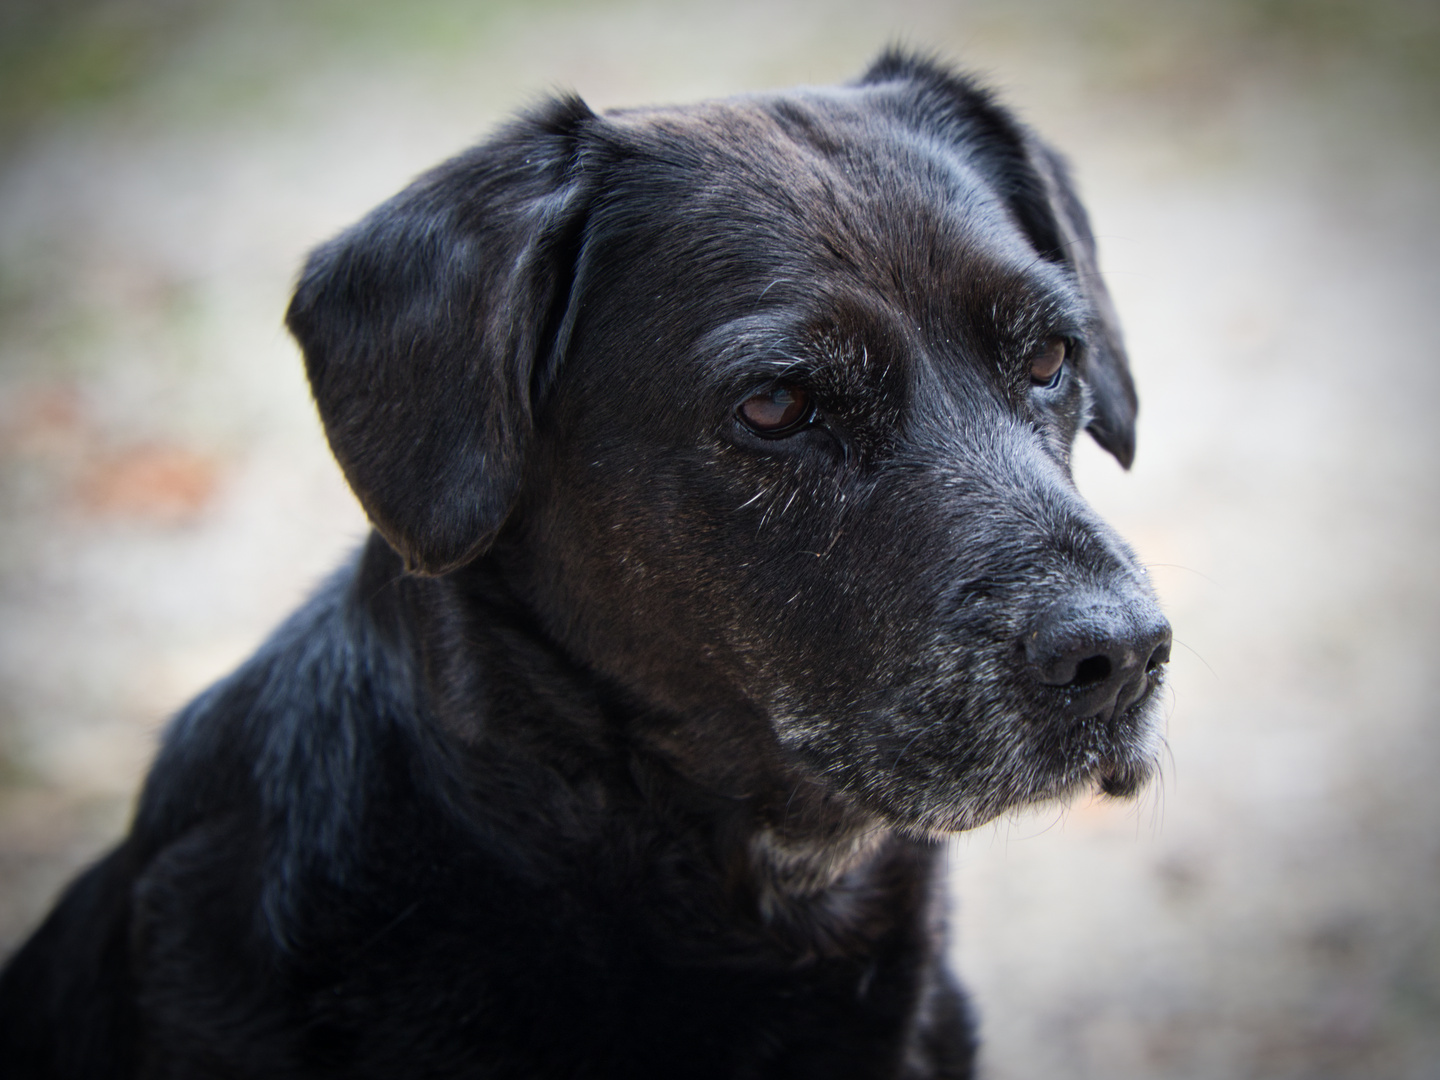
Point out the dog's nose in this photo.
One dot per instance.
(1103, 648)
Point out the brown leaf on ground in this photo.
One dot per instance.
(43, 420)
(168, 484)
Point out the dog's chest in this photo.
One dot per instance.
(444, 965)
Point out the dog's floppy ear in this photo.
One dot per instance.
(425, 326)
(1107, 368)
(1035, 184)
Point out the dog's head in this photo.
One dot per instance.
(766, 406)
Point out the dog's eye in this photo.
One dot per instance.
(1046, 364)
(781, 411)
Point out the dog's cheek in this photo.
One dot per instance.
(642, 560)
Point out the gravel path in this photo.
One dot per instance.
(1262, 182)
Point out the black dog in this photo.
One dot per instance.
(727, 558)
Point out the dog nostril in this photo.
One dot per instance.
(1091, 670)
(1160, 656)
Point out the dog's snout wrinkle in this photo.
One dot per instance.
(1104, 649)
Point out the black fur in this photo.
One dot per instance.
(627, 750)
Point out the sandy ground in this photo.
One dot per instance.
(1261, 178)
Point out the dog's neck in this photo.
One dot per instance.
(802, 866)
(806, 855)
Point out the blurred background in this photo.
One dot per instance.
(1262, 178)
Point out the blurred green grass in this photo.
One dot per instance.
(63, 56)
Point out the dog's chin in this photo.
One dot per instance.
(1116, 776)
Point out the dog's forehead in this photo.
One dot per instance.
(822, 193)
(827, 167)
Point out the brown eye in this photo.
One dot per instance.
(776, 412)
(1046, 364)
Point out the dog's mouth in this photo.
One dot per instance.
(1125, 758)
(1117, 763)
(932, 763)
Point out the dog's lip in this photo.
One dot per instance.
(1121, 779)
